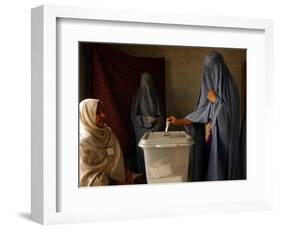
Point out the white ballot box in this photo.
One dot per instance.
(166, 156)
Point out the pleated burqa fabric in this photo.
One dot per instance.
(221, 162)
(146, 114)
(101, 158)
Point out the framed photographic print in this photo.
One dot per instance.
(140, 115)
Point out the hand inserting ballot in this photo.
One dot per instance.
(176, 121)
(172, 120)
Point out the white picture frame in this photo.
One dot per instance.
(46, 197)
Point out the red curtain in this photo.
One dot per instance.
(113, 77)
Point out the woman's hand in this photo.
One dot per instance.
(172, 120)
(129, 177)
(212, 96)
(176, 121)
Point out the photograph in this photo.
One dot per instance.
(145, 113)
(160, 114)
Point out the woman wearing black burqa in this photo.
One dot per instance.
(146, 114)
(216, 121)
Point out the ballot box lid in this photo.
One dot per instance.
(165, 139)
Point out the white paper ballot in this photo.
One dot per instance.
(167, 126)
(160, 171)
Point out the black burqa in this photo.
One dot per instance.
(220, 162)
(146, 114)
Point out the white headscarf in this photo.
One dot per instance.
(101, 157)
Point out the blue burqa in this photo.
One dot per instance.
(221, 160)
(146, 114)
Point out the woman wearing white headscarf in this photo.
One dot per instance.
(101, 158)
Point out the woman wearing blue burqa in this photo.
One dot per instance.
(146, 114)
(216, 122)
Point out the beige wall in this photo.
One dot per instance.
(183, 70)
